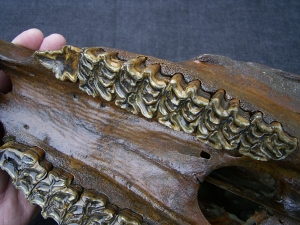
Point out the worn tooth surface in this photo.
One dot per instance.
(170, 100)
(25, 165)
(53, 191)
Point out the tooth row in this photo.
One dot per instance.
(52, 189)
(172, 101)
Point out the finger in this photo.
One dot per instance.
(31, 39)
(30, 211)
(37, 210)
(53, 42)
(5, 83)
(16, 202)
(4, 181)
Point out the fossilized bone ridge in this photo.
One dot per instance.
(170, 100)
(52, 189)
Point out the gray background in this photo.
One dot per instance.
(265, 32)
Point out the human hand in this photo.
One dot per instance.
(14, 208)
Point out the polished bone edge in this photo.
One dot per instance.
(52, 189)
(170, 100)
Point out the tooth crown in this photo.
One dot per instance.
(170, 100)
(24, 167)
(53, 191)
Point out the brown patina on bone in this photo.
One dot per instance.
(99, 135)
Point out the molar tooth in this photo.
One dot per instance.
(170, 100)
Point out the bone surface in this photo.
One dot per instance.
(103, 136)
